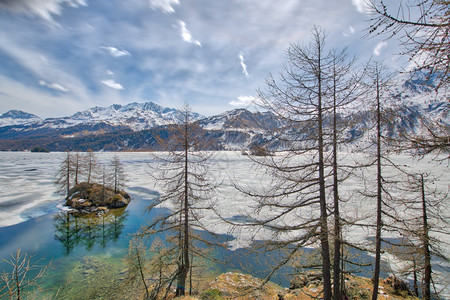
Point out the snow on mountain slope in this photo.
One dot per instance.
(241, 119)
(17, 117)
(410, 107)
(137, 116)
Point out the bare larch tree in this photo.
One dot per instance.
(293, 207)
(182, 175)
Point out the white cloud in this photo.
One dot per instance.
(164, 5)
(186, 35)
(243, 101)
(112, 84)
(116, 52)
(41, 66)
(41, 8)
(378, 47)
(243, 65)
(22, 96)
(363, 6)
(53, 86)
(349, 32)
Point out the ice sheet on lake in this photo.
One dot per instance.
(27, 190)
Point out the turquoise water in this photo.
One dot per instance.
(89, 254)
(65, 241)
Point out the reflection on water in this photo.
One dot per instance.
(73, 230)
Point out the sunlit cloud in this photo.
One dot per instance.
(186, 35)
(44, 9)
(112, 84)
(243, 65)
(116, 52)
(363, 6)
(378, 47)
(164, 5)
(243, 101)
(53, 86)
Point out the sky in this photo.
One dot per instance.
(58, 57)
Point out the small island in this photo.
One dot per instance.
(86, 198)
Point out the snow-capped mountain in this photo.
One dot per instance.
(241, 119)
(135, 116)
(17, 117)
(410, 107)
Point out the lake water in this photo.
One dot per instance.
(33, 218)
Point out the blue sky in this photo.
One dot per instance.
(58, 57)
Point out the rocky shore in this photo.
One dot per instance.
(87, 198)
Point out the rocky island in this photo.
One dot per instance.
(88, 198)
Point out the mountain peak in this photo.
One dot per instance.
(18, 114)
(18, 117)
(241, 118)
(135, 115)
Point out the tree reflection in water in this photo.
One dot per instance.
(72, 229)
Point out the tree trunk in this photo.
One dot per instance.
(426, 290)
(337, 225)
(184, 270)
(76, 168)
(416, 286)
(68, 176)
(89, 170)
(322, 198)
(376, 275)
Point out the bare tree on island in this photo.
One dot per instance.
(91, 166)
(64, 176)
(117, 176)
(182, 175)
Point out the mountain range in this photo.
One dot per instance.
(136, 126)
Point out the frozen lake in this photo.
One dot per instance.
(29, 201)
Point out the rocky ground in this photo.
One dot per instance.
(305, 286)
(95, 198)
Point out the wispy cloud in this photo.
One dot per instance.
(116, 52)
(186, 35)
(363, 6)
(243, 101)
(53, 86)
(243, 65)
(349, 31)
(112, 84)
(43, 9)
(378, 47)
(164, 5)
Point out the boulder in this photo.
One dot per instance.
(305, 279)
(396, 284)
